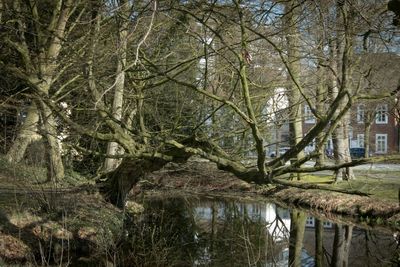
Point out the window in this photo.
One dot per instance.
(360, 113)
(360, 140)
(381, 116)
(381, 143)
(308, 116)
(352, 143)
(328, 225)
(310, 222)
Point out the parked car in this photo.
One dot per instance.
(357, 152)
(282, 151)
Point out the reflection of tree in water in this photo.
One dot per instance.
(170, 233)
(163, 236)
(193, 232)
(233, 236)
(297, 228)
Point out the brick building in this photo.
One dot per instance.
(383, 132)
(376, 77)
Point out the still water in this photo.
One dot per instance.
(210, 231)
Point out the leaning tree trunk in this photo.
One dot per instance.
(115, 185)
(27, 134)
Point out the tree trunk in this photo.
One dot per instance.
(297, 228)
(1, 11)
(116, 185)
(321, 92)
(113, 148)
(367, 132)
(255, 130)
(27, 134)
(292, 41)
(343, 53)
(55, 167)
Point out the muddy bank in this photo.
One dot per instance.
(365, 209)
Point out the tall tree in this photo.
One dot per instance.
(341, 60)
(123, 14)
(292, 17)
(40, 33)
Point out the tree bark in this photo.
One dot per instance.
(321, 90)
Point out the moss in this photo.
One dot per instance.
(380, 221)
(318, 179)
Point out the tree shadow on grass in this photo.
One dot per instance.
(42, 241)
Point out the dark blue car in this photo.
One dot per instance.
(357, 152)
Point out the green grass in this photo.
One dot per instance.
(374, 184)
(378, 188)
(20, 171)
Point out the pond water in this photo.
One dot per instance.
(209, 231)
(215, 231)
